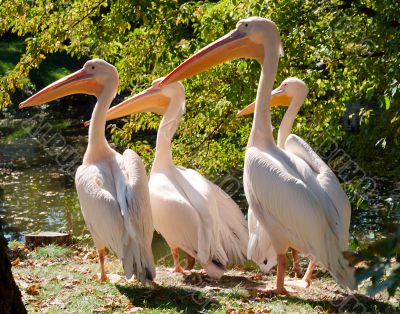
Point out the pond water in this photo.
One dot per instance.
(36, 195)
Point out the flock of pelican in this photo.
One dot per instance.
(295, 200)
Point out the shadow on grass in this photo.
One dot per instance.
(358, 303)
(192, 301)
(201, 280)
(168, 298)
(355, 303)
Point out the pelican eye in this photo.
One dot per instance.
(246, 24)
(93, 67)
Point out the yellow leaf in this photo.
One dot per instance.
(33, 289)
(15, 262)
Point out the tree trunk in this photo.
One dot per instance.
(10, 296)
(33, 240)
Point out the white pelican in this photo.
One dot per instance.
(190, 212)
(112, 188)
(292, 92)
(280, 187)
(260, 249)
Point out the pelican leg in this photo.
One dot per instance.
(280, 275)
(177, 264)
(308, 274)
(306, 280)
(190, 261)
(296, 265)
(102, 254)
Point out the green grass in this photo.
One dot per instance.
(72, 290)
(237, 292)
(15, 134)
(51, 251)
(61, 125)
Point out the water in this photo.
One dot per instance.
(39, 199)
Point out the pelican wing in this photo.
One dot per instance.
(325, 177)
(292, 213)
(232, 227)
(260, 249)
(136, 209)
(198, 193)
(172, 214)
(100, 209)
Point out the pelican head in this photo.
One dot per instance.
(153, 99)
(292, 87)
(282, 95)
(251, 38)
(92, 79)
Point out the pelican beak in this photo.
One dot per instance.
(278, 98)
(149, 100)
(233, 45)
(249, 109)
(79, 82)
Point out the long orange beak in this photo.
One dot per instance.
(235, 44)
(278, 98)
(79, 82)
(149, 100)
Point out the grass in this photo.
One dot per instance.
(14, 135)
(51, 251)
(65, 280)
(61, 125)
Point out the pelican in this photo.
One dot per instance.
(112, 188)
(280, 187)
(292, 92)
(190, 212)
(260, 248)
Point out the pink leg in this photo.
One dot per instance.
(177, 264)
(308, 274)
(306, 280)
(296, 265)
(280, 275)
(190, 261)
(102, 254)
